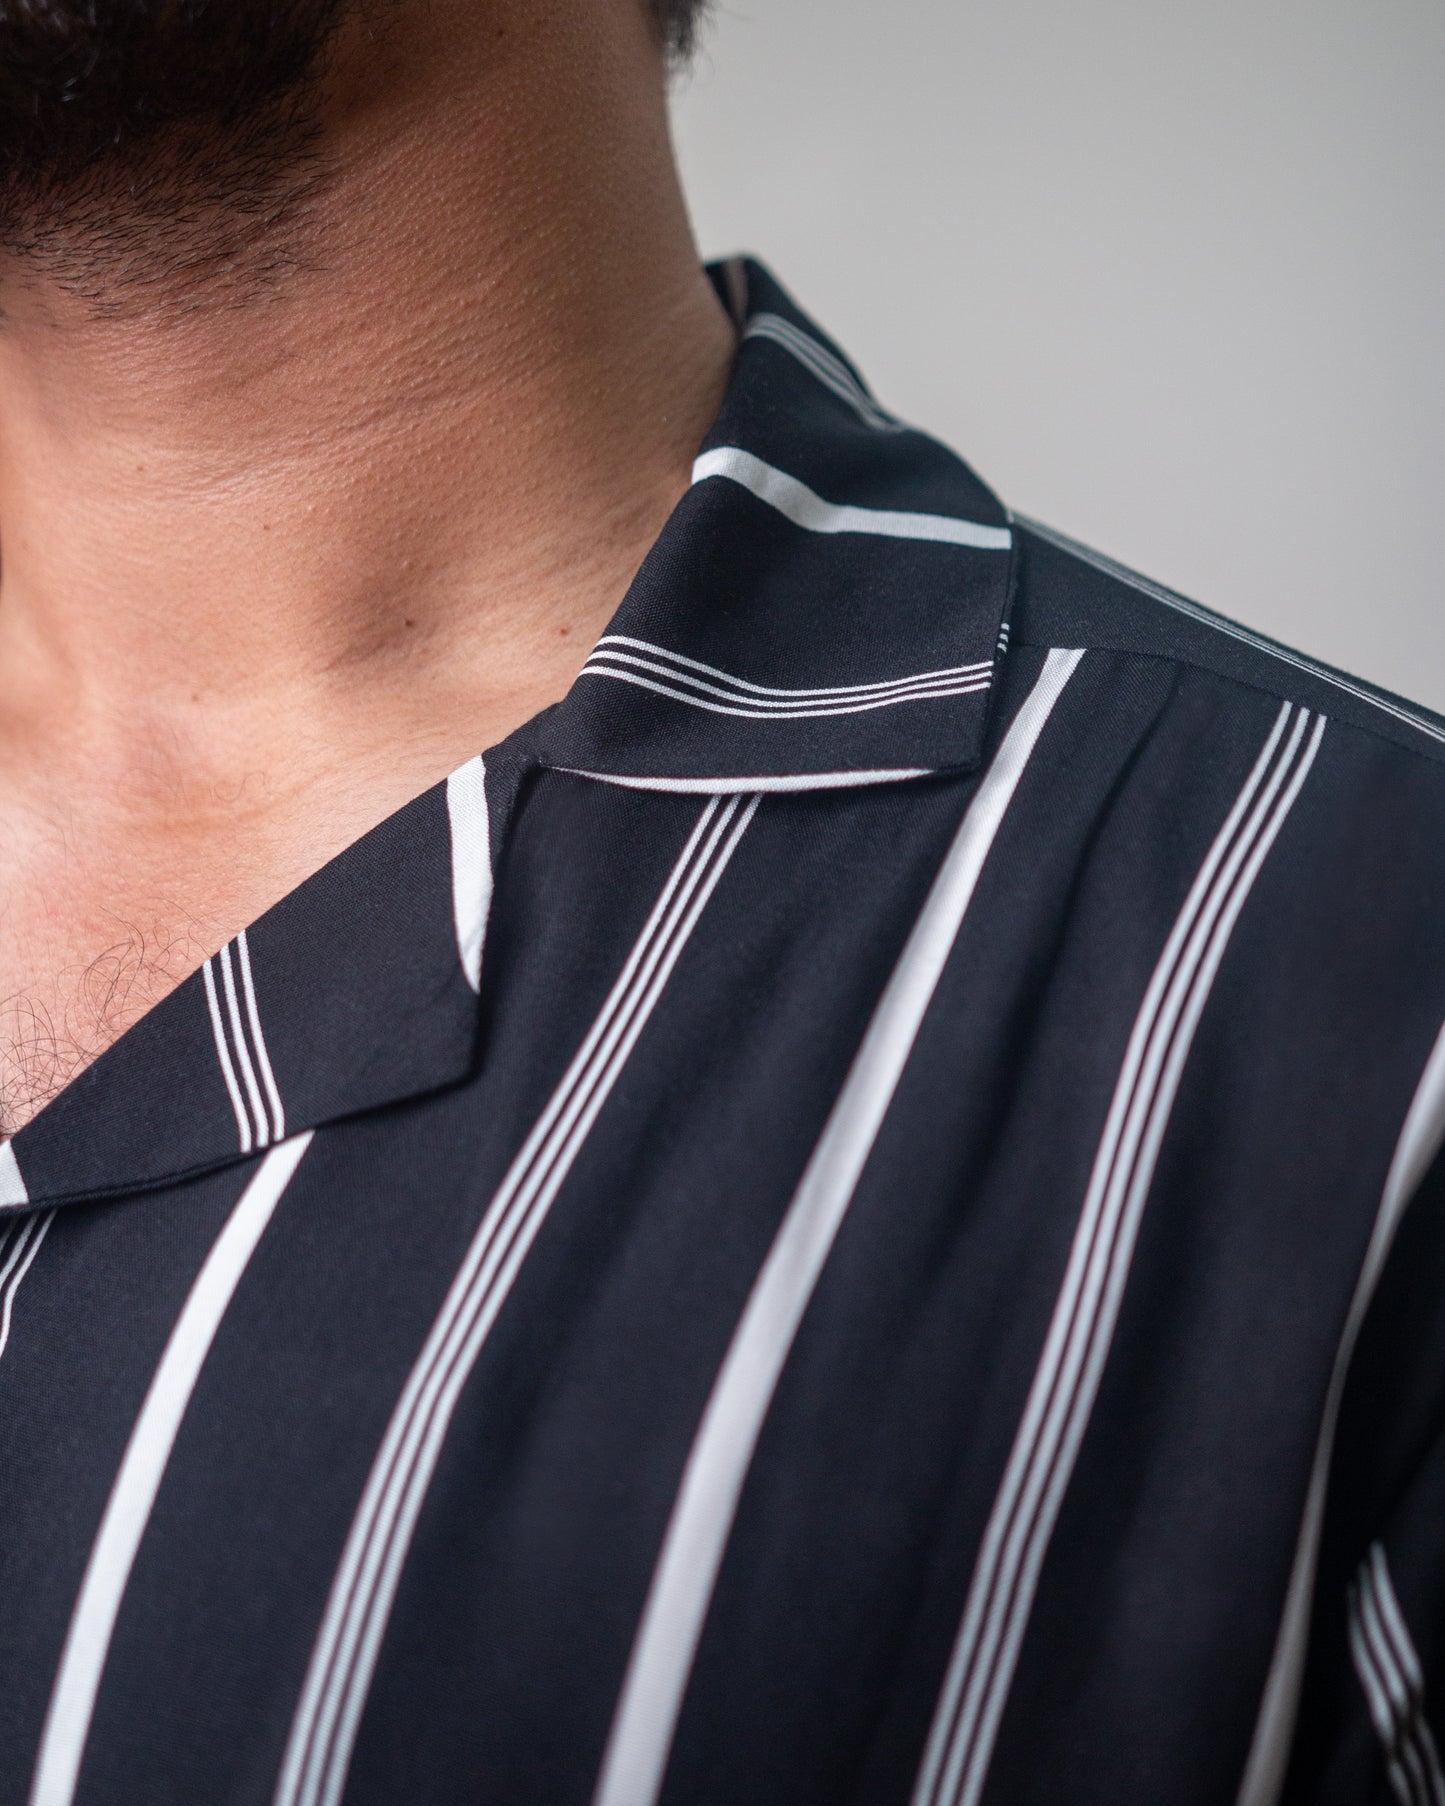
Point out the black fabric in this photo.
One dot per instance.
(451, 1390)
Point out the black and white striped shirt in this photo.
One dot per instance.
(851, 1215)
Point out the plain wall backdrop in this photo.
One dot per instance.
(1170, 276)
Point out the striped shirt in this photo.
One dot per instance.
(852, 1214)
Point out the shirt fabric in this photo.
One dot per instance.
(851, 1215)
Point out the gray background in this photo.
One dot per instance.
(1171, 276)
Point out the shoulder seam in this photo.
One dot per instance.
(1206, 617)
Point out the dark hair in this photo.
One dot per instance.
(679, 21)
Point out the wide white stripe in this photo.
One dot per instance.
(795, 781)
(12, 1185)
(243, 1053)
(820, 692)
(471, 837)
(17, 1264)
(1231, 629)
(822, 364)
(82, 1663)
(804, 508)
(1420, 1140)
(963, 688)
(900, 690)
(263, 1056)
(1061, 1400)
(333, 1697)
(223, 1056)
(702, 1518)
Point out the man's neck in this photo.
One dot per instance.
(433, 456)
(272, 567)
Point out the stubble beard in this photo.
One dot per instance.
(160, 154)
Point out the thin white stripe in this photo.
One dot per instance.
(961, 1744)
(471, 863)
(329, 1711)
(1416, 1732)
(263, 1057)
(799, 504)
(1207, 618)
(87, 1644)
(1378, 1701)
(1393, 1621)
(1420, 1139)
(899, 690)
(511, 1225)
(396, 1552)
(1115, 1273)
(819, 693)
(243, 1053)
(970, 688)
(514, 1230)
(19, 1229)
(805, 780)
(904, 690)
(223, 1055)
(12, 1185)
(1397, 1695)
(821, 363)
(702, 1518)
(943, 1739)
(22, 1256)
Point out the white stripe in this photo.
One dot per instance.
(821, 693)
(238, 1036)
(223, 1055)
(799, 504)
(969, 688)
(1207, 618)
(329, 1712)
(1393, 1621)
(822, 364)
(1420, 1139)
(1378, 1700)
(1071, 1367)
(1417, 1739)
(1396, 1699)
(471, 837)
(12, 1276)
(796, 781)
(1396, 1728)
(263, 1057)
(87, 1644)
(702, 1518)
(907, 690)
(12, 1185)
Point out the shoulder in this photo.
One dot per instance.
(1069, 595)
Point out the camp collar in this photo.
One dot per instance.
(824, 604)
(823, 609)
